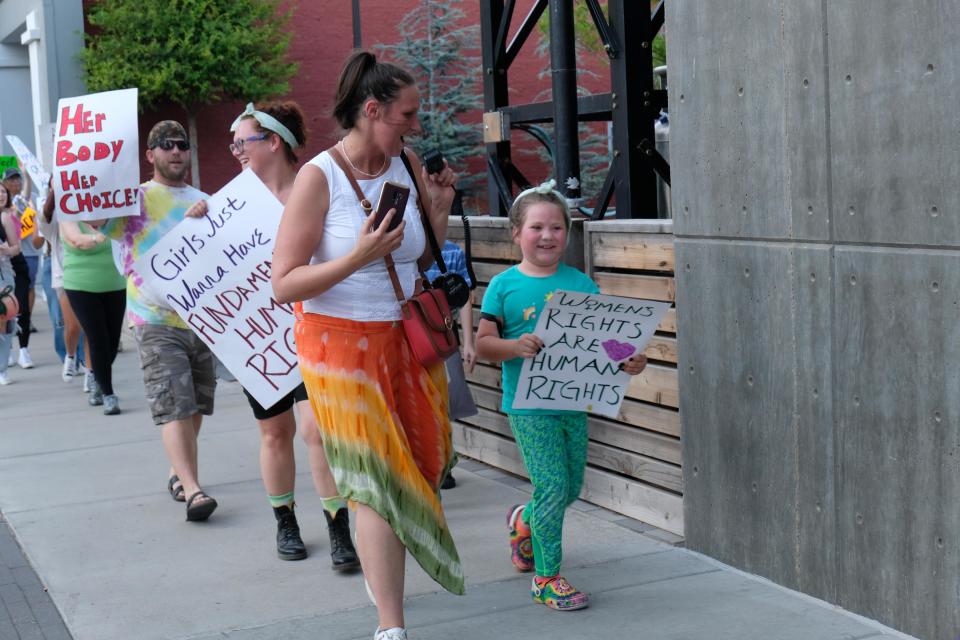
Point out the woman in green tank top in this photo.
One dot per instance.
(97, 293)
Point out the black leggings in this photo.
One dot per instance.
(101, 318)
(21, 286)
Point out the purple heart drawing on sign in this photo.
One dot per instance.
(618, 350)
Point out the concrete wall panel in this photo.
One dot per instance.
(734, 306)
(898, 430)
(759, 170)
(894, 89)
(819, 360)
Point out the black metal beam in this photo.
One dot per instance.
(610, 43)
(593, 108)
(563, 68)
(357, 40)
(656, 21)
(526, 27)
(500, 44)
(606, 192)
(632, 82)
(494, 97)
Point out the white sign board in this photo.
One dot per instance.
(96, 156)
(586, 336)
(215, 273)
(29, 163)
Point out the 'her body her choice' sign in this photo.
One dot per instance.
(586, 336)
(96, 156)
(214, 272)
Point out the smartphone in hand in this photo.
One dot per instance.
(392, 196)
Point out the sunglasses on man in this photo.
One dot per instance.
(168, 145)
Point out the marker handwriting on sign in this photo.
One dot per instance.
(81, 121)
(212, 319)
(563, 319)
(550, 389)
(276, 360)
(219, 220)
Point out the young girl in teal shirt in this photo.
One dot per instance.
(553, 443)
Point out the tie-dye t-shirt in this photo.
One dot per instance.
(161, 209)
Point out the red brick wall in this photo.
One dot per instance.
(323, 37)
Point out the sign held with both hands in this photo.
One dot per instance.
(586, 336)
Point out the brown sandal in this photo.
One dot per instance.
(175, 488)
(200, 510)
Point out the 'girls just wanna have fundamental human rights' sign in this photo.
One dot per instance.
(215, 271)
(585, 338)
(96, 156)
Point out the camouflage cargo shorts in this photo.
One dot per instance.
(178, 372)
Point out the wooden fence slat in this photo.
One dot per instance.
(636, 466)
(656, 384)
(486, 270)
(494, 250)
(662, 348)
(646, 252)
(636, 286)
(650, 417)
(669, 322)
(623, 436)
(635, 499)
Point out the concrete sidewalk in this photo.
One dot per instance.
(86, 498)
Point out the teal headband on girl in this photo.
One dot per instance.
(268, 122)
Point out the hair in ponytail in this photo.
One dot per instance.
(362, 77)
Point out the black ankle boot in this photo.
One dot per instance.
(289, 544)
(342, 554)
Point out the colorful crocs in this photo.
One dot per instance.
(521, 548)
(557, 594)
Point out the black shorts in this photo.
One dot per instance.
(283, 404)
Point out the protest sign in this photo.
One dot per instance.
(29, 163)
(95, 156)
(586, 336)
(28, 222)
(215, 273)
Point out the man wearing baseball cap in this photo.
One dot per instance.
(178, 368)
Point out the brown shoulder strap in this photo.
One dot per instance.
(367, 209)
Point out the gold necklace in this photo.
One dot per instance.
(343, 147)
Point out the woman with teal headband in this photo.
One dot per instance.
(264, 139)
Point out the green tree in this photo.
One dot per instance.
(441, 53)
(189, 52)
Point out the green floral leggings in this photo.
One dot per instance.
(554, 448)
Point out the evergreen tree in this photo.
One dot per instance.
(189, 52)
(441, 53)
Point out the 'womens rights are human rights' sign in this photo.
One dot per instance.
(586, 336)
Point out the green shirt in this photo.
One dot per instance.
(516, 300)
(91, 270)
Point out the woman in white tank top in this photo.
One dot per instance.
(383, 415)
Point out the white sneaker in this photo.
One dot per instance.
(69, 368)
(393, 633)
(24, 361)
(5, 379)
(87, 381)
(12, 360)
